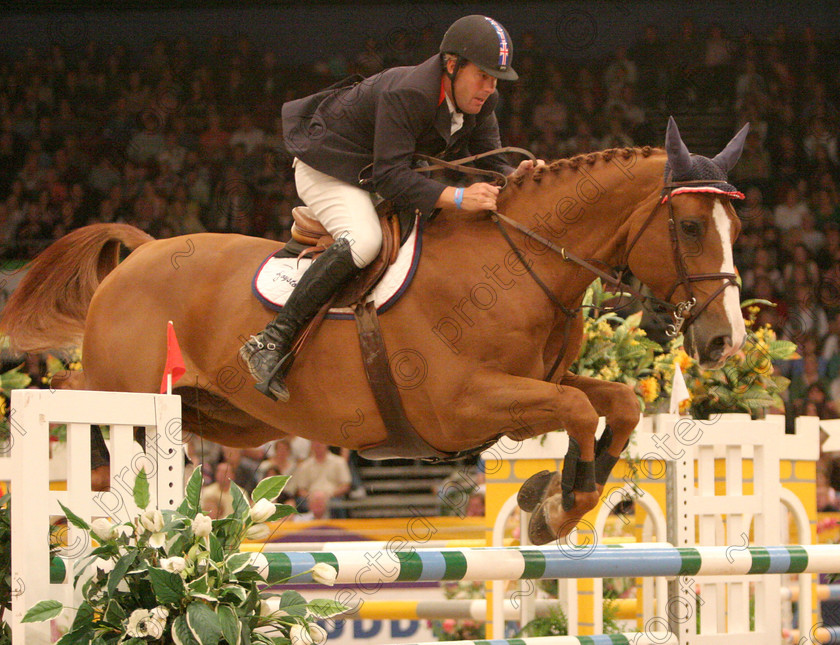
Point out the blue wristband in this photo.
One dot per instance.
(459, 197)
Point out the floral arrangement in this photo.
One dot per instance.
(15, 379)
(746, 383)
(178, 577)
(617, 349)
(459, 630)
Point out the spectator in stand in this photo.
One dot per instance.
(806, 317)
(322, 471)
(147, 144)
(718, 75)
(829, 348)
(763, 266)
(801, 264)
(616, 137)
(318, 504)
(652, 74)
(173, 153)
(182, 213)
(750, 85)
(280, 462)
(247, 133)
(550, 114)
(620, 72)
(214, 140)
(582, 142)
(788, 214)
(755, 164)
(809, 236)
(216, 498)
(819, 137)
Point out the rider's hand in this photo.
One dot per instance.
(480, 197)
(526, 166)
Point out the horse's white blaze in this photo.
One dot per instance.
(731, 302)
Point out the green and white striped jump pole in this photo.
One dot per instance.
(549, 562)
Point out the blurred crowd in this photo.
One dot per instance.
(185, 137)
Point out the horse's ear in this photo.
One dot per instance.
(678, 155)
(729, 156)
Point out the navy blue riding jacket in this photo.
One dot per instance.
(384, 120)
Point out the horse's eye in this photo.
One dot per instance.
(691, 228)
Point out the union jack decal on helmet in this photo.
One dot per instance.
(504, 47)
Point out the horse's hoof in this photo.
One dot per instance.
(533, 491)
(539, 532)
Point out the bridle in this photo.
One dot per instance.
(684, 312)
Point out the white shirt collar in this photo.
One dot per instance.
(456, 116)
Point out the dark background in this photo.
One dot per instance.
(301, 31)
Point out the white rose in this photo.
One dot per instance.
(122, 531)
(202, 525)
(258, 532)
(102, 528)
(160, 613)
(152, 521)
(299, 635)
(103, 565)
(137, 623)
(155, 627)
(265, 608)
(158, 540)
(260, 562)
(174, 564)
(261, 511)
(324, 574)
(317, 634)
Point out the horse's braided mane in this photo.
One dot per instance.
(590, 158)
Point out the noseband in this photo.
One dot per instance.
(684, 312)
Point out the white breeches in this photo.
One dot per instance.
(345, 211)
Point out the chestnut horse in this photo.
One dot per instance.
(471, 339)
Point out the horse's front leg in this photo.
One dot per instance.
(561, 501)
(619, 405)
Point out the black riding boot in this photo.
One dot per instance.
(268, 353)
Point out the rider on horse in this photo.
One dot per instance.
(443, 106)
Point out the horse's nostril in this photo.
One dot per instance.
(718, 345)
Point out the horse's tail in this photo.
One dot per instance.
(48, 308)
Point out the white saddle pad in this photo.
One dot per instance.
(277, 277)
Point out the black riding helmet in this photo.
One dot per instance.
(483, 42)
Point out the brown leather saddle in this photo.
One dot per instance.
(402, 439)
(308, 231)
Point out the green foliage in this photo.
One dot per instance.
(5, 569)
(617, 349)
(178, 577)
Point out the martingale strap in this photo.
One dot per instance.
(402, 439)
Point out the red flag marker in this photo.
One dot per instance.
(175, 367)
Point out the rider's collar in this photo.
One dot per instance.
(456, 116)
